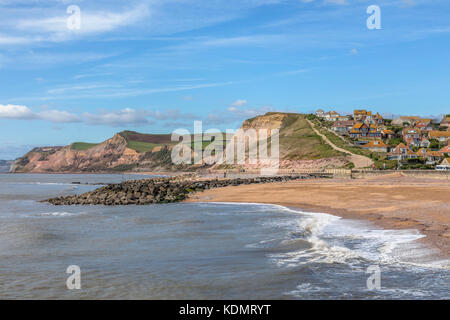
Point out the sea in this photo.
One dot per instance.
(199, 250)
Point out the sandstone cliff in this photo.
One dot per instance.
(299, 148)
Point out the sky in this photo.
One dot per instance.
(157, 65)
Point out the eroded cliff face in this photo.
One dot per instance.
(268, 121)
(107, 155)
(299, 147)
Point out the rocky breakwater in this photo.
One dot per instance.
(159, 190)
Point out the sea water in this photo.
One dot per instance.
(199, 250)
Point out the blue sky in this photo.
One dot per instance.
(157, 65)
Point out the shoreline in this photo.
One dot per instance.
(428, 213)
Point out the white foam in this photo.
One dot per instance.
(327, 235)
(58, 214)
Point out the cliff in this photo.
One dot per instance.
(300, 147)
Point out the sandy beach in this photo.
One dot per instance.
(393, 202)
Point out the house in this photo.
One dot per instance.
(421, 152)
(441, 136)
(446, 122)
(378, 120)
(331, 116)
(424, 143)
(320, 113)
(359, 115)
(411, 133)
(342, 127)
(423, 126)
(401, 152)
(412, 136)
(359, 130)
(405, 119)
(344, 118)
(430, 156)
(445, 151)
(445, 165)
(387, 134)
(374, 133)
(376, 146)
(433, 156)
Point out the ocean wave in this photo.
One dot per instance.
(59, 214)
(336, 240)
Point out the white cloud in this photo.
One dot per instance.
(58, 116)
(19, 112)
(11, 111)
(239, 103)
(123, 117)
(91, 22)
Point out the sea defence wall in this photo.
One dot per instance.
(431, 174)
(339, 173)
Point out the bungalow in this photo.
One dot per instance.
(441, 136)
(342, 127)
(376, 146)
(446, 122)
(401, 152)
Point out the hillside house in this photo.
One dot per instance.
(360, 115)
(446, 151)
(401, 152)
(405, 119)
(331, 116)
(445, 122)
(342, 127)
(441, 136)
(320, 113)
(387, 134)
(376, 146)
(445, 165)
(359, 130)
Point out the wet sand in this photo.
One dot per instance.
(392, 202)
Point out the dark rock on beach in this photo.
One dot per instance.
(158, 190)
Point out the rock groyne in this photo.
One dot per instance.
(158, 190)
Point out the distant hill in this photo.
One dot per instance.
(300, 147)
(5, 165)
